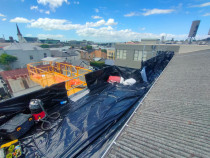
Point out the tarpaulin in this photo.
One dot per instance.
(155, 65)
(87, 125)
(50, 96)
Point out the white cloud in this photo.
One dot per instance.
(63, 24)
(96, 24)
(132, 14)
(101, 23)
(98, 31)
(47, 12)
(21, 20)
(96, 10)
(207, 14)
(96, 17)
(76, 2)
(111, 22)
(148, 12)
(4, 19)
(45, 36)
(41, 11)
(157, 11)
(53, 3)
(201, 5)
(2, 15)
(54, 24)
(109, 34)
(143, 28)
(34, 7)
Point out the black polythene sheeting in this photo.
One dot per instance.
(50, 96)
(87, 125)
(98, 78)
(84, 125)
(155, 65)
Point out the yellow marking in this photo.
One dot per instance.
(9, 143)
(18, 129)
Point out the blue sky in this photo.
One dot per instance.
(103, 20)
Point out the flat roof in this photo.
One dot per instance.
(174, 118)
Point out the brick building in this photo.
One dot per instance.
(90, 54)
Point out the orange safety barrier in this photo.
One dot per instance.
(49, 73)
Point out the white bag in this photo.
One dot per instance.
(129, 82)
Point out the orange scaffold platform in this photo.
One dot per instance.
(48, 73)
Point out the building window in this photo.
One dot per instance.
(45, 55)
(31, 57)
(121, 54)
(137, 55)
(145, 55)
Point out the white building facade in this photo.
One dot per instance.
(25, 53)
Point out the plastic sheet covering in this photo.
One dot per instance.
(50, 96)
(87, 125)
(155, 65)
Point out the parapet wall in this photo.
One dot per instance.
(192, 48)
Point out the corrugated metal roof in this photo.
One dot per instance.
(174, 118)
(67, 53)
(13, 74)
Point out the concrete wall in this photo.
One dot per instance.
(148, 51)
(20, 84)
(192, 48)
(24, 57)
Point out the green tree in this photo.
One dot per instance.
(6, 60)
(44, 46)
(104, 50)
(89, 47)
(98, 64)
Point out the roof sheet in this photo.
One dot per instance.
(67, 53)
(14, 73)
(22, 46)
(174, 118)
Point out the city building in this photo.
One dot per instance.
(106, 45)
(2, 40)
(132, 55)
(31, 39)
(67, 53)
(150, 41)
(25, 53)
(90, 54)
(82, 43)
(52, 59)
(18, 82)
(49, 41)
(111, 54)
